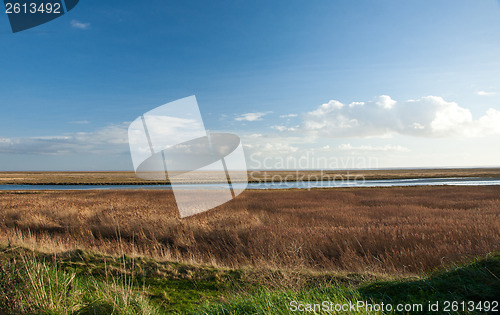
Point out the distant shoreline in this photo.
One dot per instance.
(129, 178)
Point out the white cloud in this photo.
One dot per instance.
(80, 25)
(384, 101)
(273, 145)
(251, 116)
(353, 104)
(279, 128)
(288, 116)
(369, 148)
(109, 140)
(485, 93)
(279, 148)
(284, 128)
(254, 135)
(429, 116)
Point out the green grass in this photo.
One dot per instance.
(29, 286)
(80, 282)
(285, 302)
(168, 287)
(477, 281)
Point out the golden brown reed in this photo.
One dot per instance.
(400, 229)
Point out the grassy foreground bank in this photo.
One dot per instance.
(80, 282)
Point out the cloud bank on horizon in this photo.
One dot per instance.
(429, 116)
(382, 117)
(109, 140)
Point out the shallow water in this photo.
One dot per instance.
(457, 181)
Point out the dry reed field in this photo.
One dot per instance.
(399, 229)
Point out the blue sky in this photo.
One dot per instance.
(407, 83)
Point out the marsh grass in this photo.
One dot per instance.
(404, 230)
(81, 282)
(476, 281)
(32, 285)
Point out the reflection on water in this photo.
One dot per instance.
(459, 181)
